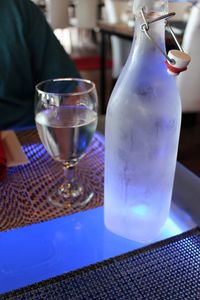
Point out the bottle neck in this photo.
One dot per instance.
(143, 46)
(159, 6)
(143, 49)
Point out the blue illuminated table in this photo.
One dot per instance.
(74, 240)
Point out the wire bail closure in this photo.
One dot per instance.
(177, 60)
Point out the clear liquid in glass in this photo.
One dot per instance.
(66, 131)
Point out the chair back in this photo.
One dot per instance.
(120, 48)
(114, 10)
(188, 81)
(86, 13)
(57, 13)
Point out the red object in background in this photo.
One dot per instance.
(89, 63)
(3, 168)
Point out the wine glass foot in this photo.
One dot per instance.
(70, 196)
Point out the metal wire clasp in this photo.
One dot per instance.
(145, 28)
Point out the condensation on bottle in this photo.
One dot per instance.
(143, 121)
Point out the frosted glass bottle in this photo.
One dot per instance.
(141, 138)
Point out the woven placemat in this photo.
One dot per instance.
(24, 192)
(169, 269)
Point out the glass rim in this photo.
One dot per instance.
(40, 91)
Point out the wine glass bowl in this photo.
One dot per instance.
(66, 119)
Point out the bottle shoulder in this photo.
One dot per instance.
(145, 86)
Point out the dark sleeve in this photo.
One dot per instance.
(48, 57)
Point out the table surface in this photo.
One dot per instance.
(116, 28)
(122, 28)
(49, 241)
(24, 191)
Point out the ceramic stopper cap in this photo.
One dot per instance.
(178, 61)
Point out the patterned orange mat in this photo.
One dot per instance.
(23, 194)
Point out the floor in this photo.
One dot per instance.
(189, 144)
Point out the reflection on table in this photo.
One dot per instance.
(49, 241)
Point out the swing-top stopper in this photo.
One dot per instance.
(177, 62)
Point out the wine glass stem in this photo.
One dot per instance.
(70, 187)
(69, 172)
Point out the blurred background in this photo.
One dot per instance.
(98, 35)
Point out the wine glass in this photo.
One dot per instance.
(66, 119)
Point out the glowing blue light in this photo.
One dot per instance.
(141, 210)
(53, 247)
(177, 222)
(172, 227)
(34, 150)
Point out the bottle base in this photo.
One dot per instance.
(140, 232)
